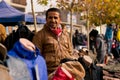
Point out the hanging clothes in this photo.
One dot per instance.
(25, 64)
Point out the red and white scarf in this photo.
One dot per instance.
(56, 31)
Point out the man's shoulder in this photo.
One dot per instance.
(40, 31)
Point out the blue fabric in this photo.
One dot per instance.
(30, 60)
(10, 14)
(108, 38)
(108, 33)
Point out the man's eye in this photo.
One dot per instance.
(55, 17)
(50, 17)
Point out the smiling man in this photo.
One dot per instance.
(53, 40)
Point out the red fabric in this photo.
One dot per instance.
(113, 45)
(60, 75)
(56, 31)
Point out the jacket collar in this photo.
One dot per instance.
(20, 51)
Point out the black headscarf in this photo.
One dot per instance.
(93, 33)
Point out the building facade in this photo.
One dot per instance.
(18, 4)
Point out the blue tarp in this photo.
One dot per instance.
(9, 14)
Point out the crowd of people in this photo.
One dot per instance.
(79, 40)
(108, 43)
(112, 40)
(48, 54)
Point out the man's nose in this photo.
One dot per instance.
(53, 19)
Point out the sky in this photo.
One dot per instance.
(37, 7)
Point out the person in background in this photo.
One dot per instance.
(21, 32)
(109, 38)
(79, 40)
(115, 41)
(21, 23)
(74, 38)
(3, 34)
(118, 38)
(99, 46)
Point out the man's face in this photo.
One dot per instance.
(53, 19)
(92, 38)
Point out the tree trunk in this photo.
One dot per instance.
(71, 24)
(35, 24)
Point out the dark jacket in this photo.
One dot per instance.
(100, 49)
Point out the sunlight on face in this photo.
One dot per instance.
(53, 19)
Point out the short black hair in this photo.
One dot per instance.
(54, 10)
(109, 24)
(76, 31)
(93, 33)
